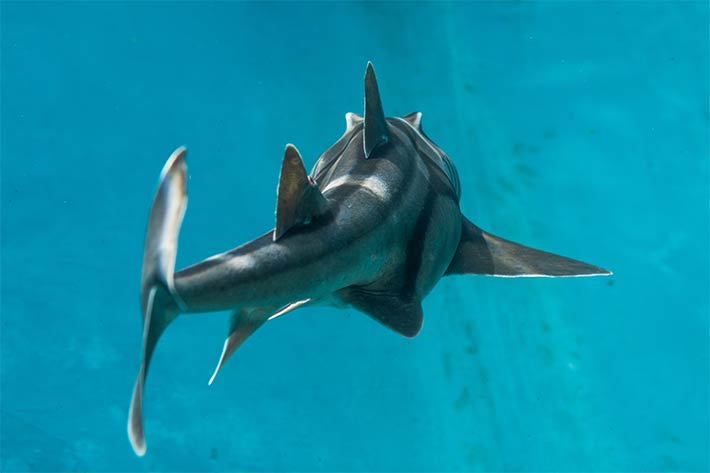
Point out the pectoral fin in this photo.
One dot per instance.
(402, 316)
(482, 253)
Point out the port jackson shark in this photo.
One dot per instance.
(374, 226)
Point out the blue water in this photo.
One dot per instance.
(580, 128)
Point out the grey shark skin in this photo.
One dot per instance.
(374, 226)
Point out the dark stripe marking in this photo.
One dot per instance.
(415, 249)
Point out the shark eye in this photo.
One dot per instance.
(311, 181)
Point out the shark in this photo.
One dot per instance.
(374, 226)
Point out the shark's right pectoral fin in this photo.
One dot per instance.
(401, 315)
(480, 252)
(299, 199)
(159, 301)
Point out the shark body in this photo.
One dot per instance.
(374, 226)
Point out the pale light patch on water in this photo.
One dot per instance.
(98, 354)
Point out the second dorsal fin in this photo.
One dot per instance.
(299, 199)
(376, 133)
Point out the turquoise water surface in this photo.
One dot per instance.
(579, 128)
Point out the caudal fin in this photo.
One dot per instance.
(159, 301)
(480, 252)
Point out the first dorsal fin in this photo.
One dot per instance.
(376, 133)
(480, 252)
(298, 199)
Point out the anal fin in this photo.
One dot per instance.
(245, 322)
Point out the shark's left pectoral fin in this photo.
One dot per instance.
(299, 199)
(403, 316)
(480, 252)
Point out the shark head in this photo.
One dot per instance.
(379, 135)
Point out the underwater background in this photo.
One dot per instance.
(578, 128)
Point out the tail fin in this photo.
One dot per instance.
(480, 252)
(159, 301)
